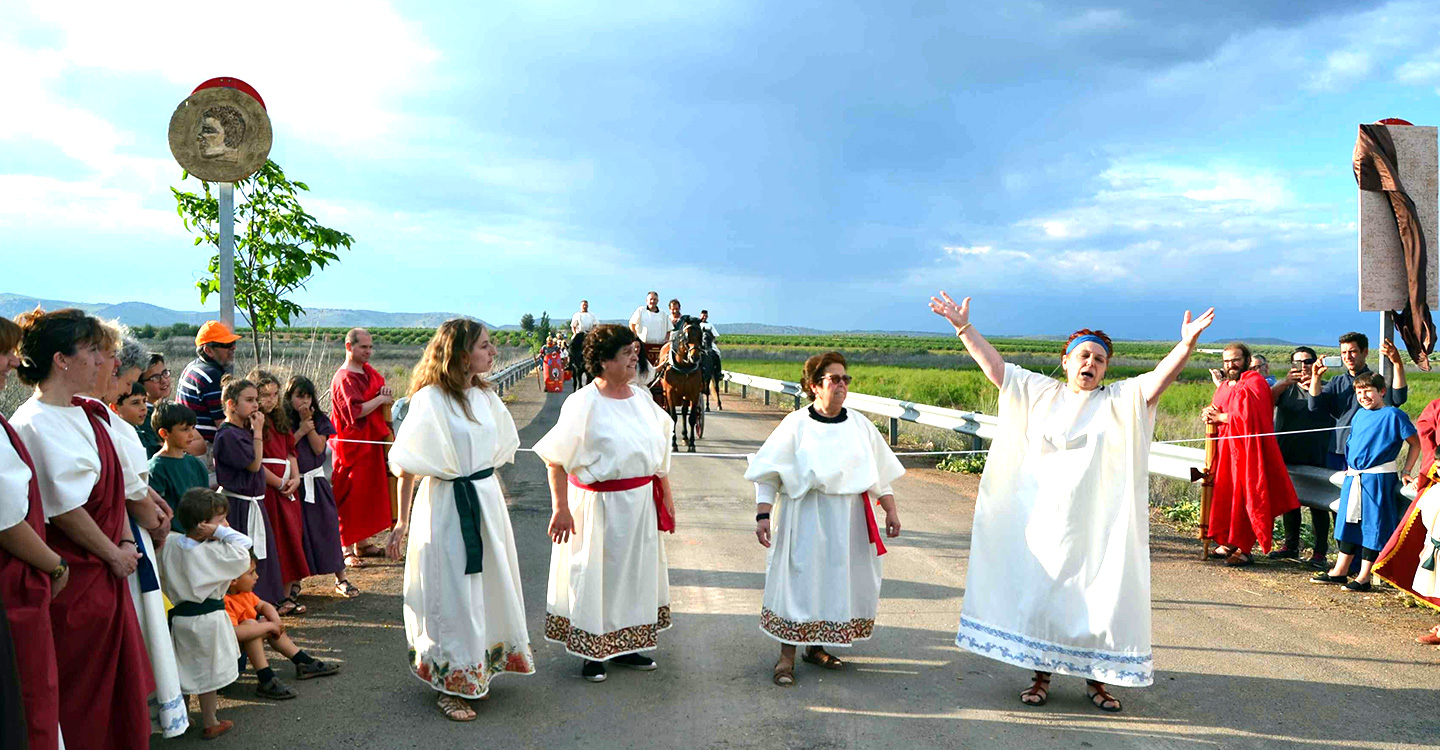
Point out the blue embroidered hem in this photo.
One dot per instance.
(1109, 667)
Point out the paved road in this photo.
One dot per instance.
(1244, 659)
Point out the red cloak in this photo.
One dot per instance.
(98, 646)
(362, 487)
(287, 520)
(1401, 556)
(26, 593)
(1252, 485)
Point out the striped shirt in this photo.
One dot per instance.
(200, 391)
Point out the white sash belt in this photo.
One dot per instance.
(307, 480)
(284, 476)
(254, 520)
(1352, 501)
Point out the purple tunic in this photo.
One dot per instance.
(234, 450)
(322, 521)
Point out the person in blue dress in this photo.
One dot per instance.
(1369, 508)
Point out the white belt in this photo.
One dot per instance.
(1352, 501)
(307, 480)
(284, 477)
(254, 520)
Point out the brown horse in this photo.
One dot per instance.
(682, 380)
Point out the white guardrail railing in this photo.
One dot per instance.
(1316, 487)
(508, 375)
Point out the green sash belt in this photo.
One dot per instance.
(195, 609)
(467, 504)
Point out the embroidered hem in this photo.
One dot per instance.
(602, 646)
(815, 632)
(1109, 667)
(169, 719)
(472, 680)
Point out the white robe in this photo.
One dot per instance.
(609, 588)
(583, 322)
(822, 573)
(208, 654)
(463, 630)
(169, 716)
(654, 326)
(1427, 582)
(1059, 576)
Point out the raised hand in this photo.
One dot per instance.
(1388, 351)
(945, 307)
(1190, 329)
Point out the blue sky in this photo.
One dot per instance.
(818, 164)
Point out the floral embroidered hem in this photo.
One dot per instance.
(815, 632)
(599, 647)
(472, 681)
(1109, 667)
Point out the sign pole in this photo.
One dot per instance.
(227, 254)
(1387, 333)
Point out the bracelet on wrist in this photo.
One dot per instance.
(961, 330)
(762, 516)
(131, 541)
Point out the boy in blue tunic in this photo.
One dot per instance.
(1370, 507)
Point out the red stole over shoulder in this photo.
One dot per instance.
(26, 593)
(362, 489)
(98, 646)
(1252, 485)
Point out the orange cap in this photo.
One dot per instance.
(215, 332)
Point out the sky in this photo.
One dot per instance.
(824, 164)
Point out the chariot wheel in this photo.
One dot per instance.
(699, 422)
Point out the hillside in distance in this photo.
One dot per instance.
(141, 313)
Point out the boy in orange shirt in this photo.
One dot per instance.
(245, 610)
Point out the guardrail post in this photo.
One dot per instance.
(767, 398)
(894, 431)
(797, 402)
(744, 391)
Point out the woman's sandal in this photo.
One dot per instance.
(288, 606)
(346, 589)
(1102, 698)
(1038, 694)
(295, 589)
(784, 673)
(822, 658)
(455, 709)
(354, 561)
(1238, 559)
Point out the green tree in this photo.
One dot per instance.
(278, 246)
(146, 331)
(527, 323)
(542, 331)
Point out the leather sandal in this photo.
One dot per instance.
(1238, 559)
(821, 658)
(1039, 690)
(455, 709)
(784, 673)
(1101, 698)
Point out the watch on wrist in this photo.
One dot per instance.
(59, 570)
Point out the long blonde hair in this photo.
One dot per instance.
(446, 362)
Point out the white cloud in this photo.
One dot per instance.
(1342, 67)
(49, 203)
(1095, 20)
(961, 250)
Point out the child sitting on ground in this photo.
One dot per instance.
(1369, 509)
(257, 623)
(175, 470)
(199, 566)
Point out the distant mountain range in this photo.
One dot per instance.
(141, 313)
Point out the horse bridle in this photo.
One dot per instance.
(692, 348)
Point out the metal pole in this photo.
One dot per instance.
(227, 254)
(1387, 333)
(894, 431)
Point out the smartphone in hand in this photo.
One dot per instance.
(1331, 362)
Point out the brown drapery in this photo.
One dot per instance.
(1375, 170)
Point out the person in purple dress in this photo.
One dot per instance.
(238, 450)
(323, 551)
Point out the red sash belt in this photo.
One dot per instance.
(870, 525)
(663, 520)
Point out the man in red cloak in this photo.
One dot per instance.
(1414, 543)
(1252, 485)
(358, 395)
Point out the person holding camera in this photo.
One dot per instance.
(1305, 443)
(1337, 397)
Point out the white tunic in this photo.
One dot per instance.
(1427, 582)
(62, 445)
(609, 589)
(14, 485)
(654, 327)
(1059, 577)
(822, 573)
(583, 322)
(208, 654)
(463, 630)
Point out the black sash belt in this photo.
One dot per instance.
(195, 609)
(467, 504)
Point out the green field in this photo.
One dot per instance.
(848, 342)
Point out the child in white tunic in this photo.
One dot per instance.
(199, 566)
(464, 610)
(815, 478)
(609, 591)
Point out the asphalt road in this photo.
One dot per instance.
(1244, 659)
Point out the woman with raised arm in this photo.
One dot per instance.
(1059, 576)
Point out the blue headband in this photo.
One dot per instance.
(1087, 337)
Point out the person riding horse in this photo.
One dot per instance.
(681, 379)
(710, 365)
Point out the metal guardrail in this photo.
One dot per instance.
(1316, 487)
(507, 376)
